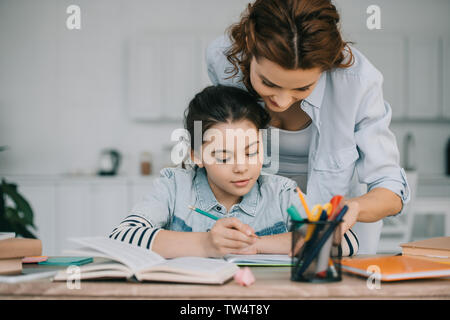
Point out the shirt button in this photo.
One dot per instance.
(218, 208)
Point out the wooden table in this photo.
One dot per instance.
(271, 283)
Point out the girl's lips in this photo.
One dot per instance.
(241, 183)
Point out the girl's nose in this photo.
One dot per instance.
(240, 167)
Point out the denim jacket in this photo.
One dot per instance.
(352, 149)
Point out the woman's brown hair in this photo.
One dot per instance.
(295, 34)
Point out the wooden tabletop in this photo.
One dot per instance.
(271, 283)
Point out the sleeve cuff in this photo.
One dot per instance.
(399, 186)
(155, 232)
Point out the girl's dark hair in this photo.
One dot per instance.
(221, 104)
(295, 34)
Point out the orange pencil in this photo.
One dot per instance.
(305, 205)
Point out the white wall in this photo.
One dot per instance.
(63, 94)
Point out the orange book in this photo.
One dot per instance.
(394, 268)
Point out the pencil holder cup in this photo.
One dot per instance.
(315, 251)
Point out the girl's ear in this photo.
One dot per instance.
(196, 159)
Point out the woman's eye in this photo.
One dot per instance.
(303, 89)
(268, 84)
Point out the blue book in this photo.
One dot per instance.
(66, 261)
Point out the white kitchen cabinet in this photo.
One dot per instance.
(164, 76)
(41, 195)
(424, 79)
(446, 77)
(165, 72)
(145, 74)
(167, 69)
(181, 75)
(72, 218)
(89, 207)
(108, 206)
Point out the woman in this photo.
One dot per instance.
(326, 100)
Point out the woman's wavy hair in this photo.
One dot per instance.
(295, 34)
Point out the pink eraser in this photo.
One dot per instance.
(244, 277)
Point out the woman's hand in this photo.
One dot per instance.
(351, 217)
(230, 235)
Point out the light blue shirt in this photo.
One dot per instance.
(352, 149)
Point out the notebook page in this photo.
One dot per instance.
(134, 257)
(84, 252)
(259, 258)
(196, 266)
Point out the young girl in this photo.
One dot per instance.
(226, 182)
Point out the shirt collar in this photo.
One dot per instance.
(316, 96)
(205, 196)
(249, 202)
(207, 200)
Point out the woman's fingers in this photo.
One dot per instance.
(298, 245)
(351, 217)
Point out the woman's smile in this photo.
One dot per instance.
(274, 103)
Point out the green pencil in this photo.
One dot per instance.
(203, 213)
(212, 217)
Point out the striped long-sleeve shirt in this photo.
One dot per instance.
(135, 230)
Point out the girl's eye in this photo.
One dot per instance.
(222, 160)
(303, 89)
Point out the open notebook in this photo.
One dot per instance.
(266, 260)
(125, 261)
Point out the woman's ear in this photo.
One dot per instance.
(196, 159)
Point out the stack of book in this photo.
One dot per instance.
(13, 250)
(435, 249)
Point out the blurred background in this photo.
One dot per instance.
(87, 114)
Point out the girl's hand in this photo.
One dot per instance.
(251, 249)
(229, 235)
